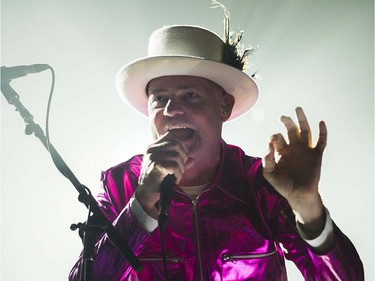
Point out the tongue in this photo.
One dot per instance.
(182, 133)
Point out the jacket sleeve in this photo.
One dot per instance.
(116, 190)
(341, 262)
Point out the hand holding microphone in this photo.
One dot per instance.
(162, 166)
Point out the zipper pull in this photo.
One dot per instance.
(194, 202)
(230, 258)
(176, 259)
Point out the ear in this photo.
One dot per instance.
(227, 104)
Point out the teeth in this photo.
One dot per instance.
(177, 127)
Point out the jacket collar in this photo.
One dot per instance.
(230, 175)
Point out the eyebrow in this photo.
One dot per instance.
(162, 89)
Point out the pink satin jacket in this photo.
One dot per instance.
(239, 228)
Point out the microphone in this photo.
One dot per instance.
(10, 73)
(165, 200)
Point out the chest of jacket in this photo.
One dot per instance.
(214, 237)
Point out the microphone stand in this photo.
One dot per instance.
(96, 219)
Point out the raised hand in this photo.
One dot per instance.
(296, 174)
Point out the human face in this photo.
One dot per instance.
(190, 109)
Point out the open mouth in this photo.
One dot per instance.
(182, 133)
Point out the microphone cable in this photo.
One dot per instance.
(62, 168)
(48, 111)
(163, 256)
(166, 188)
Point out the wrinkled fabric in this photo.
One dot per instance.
(239, 229)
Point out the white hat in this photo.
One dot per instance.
(185, 50)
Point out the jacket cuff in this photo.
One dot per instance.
(325, 237)
(145, 221)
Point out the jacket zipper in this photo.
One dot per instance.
(195, 214)
(168, 259)
(197, 237)
(235, 258)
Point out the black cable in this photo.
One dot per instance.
(163, 256)
(48, 111)
(85, 194)
(55, 159)
(166, 188)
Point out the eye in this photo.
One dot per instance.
(191, 96)
(158, 98)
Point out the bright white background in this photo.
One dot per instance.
(316, 54)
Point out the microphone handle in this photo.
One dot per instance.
(165, 200)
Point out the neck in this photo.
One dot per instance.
(201, 170)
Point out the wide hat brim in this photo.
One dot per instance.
(132, 79)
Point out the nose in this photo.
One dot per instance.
(173, 108)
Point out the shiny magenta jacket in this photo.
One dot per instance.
(240, 228)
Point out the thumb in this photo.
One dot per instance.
(268, 160)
